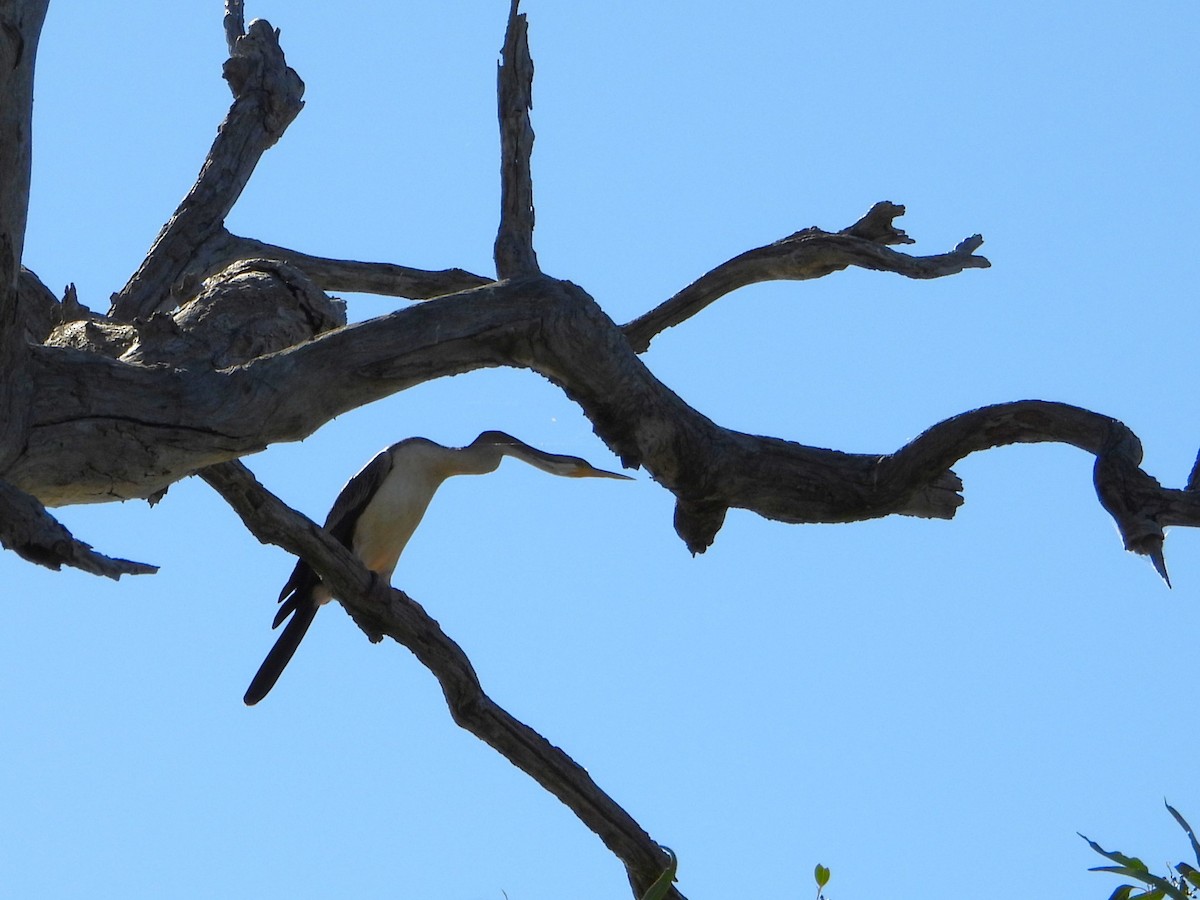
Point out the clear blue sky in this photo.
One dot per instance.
(932, 709)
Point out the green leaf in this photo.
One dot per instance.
(1186, 827)
(1139, 874)
(1123, 892)
(1163, 888)
(1190, 875)
(822, 875)
(1133, 867)
(1131, 862)
(662, 884)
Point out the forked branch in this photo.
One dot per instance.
(811, 253)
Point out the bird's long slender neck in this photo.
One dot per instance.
(478, 458)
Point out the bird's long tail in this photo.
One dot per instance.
(281, 654)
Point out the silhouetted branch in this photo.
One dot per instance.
(20, 29)
(30, 531)
(1139, 505)
(335, 275)
(235, 23)
(811, 253)
(267, 97)
(382, 611)
(514, 242)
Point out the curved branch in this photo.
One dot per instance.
(31, 532)
(382, 611)
(165, 424)
(811, 253)
(267, 97)
(514, 252)
(150, 427)
(1139, 505)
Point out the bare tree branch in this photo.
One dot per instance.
(235, 23)
(514, 251)
(31, 532)
(20, 29)
(811, 253)
(553, 328)
(103, 428)
(382, 611)
(266, 99)
(1139, 505)
(335, 275)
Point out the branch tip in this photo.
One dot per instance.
(970, 245)
(514, 253)
(808, 254)
(234, 23)
(878, 225)
(32, 533)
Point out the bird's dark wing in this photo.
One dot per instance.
(355, 496)
(351, 501)
(297, 599)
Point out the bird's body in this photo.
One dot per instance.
(377, 512)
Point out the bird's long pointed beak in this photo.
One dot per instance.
(590, 471)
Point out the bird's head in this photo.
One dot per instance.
(554, 463)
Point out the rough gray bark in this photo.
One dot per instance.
(220, 345)
(20, 28)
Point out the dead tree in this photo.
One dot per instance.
(221, 345)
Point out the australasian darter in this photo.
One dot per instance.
(377, 512)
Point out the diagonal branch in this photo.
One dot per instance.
(386, 612)
(27, 529)
(514, 242)
(267, 97)
(807, 254)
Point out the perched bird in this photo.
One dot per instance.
(377, 512)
